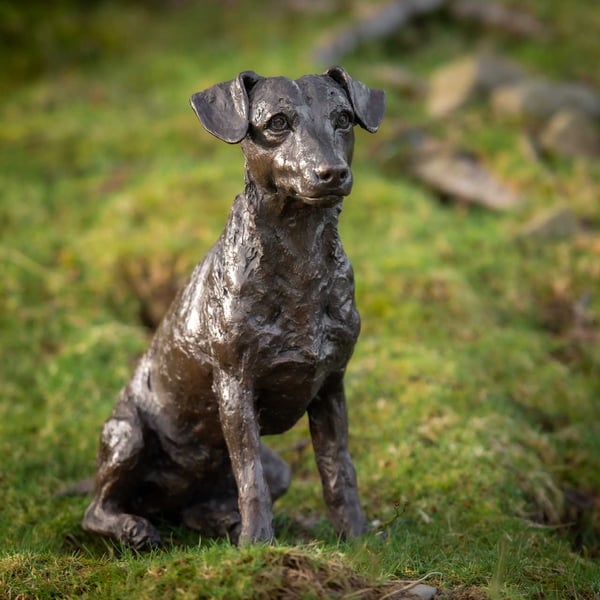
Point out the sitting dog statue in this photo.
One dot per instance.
(260, 334)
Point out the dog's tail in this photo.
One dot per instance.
(85, 487)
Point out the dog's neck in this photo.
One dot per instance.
(281, 221)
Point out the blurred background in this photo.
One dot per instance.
(473, 228)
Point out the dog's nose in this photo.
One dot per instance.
(332, 175)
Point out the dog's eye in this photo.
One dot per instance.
(343, 120)
(278, 122)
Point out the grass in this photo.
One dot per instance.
(473, 392)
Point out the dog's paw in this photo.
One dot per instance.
(256, 533)
(139, 533)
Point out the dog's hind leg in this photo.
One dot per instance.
(121, 446)
(220, 517)
(215, 519)
(277, 472)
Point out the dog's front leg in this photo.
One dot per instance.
(241, 430)
(328, 420)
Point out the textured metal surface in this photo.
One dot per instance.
(260, 335)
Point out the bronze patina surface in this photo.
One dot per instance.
(260, 334)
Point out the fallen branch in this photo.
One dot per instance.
(499, 17)
(380, 24)
(384, 21)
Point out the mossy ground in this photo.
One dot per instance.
(473, 393)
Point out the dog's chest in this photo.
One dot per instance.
(308, 321)
(292, 352)
(292, 317)
(307, 330)
(285, 291)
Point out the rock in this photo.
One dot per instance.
(570, 133)
(530, 148)
(539, 99)
(411, 590)
(557, 223)
(458, 174)
(421, 592)
(312, 6)
(454, 85)
(503, 18)
(400, 79)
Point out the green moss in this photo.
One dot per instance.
(472, 392)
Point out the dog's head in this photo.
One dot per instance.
(297, 135)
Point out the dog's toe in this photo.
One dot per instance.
(140, 534)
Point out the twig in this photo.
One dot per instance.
(22, 260)
(548, 527)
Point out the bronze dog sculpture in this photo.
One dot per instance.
(261, 333)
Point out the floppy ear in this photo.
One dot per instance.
(223, 108)
(368, 104)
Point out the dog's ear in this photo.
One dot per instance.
(223, 108)
(368, 104)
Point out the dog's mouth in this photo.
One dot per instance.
(324, 201)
